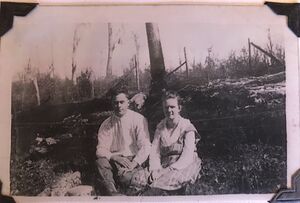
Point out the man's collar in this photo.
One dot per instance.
(119, 117)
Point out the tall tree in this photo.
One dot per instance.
(209, 64)
(270, 46)
(137, 60)
(76, 40)
(156, 58)
(32, 75)
(84, 84)
(113, 41)
(270, 43)
(51, 67)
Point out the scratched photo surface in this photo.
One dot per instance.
(230, 77)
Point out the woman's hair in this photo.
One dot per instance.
(170, 94)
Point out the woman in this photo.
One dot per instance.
(173, 159)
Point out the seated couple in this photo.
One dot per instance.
(124, 146)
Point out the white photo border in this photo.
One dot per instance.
(292, 104)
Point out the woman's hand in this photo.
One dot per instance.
(155, 174)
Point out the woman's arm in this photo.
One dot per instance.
(187, 155)
(154, 159)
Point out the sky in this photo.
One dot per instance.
(46, 35)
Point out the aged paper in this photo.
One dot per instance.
(205, 36)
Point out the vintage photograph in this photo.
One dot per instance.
(110, 107)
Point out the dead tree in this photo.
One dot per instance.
(249, 55)
(76, 40)
(75, 44)
(137, 61)
(93, 79)
(51, 70)
(186, 64)
(33, 77)
(271, 56)
(157, 64)
(270, 47)
(51, 67)
(23, 90)
(109, 54)
(209, 64)
(112, 43)
(270, 43)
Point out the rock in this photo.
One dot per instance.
(41, 150)
(39, 140)
(46, 192)
(65, 136)
(63, 184)
(51, 141)
(81, 190)
(138, 101)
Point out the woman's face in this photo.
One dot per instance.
(171, 108)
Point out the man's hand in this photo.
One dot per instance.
(123, 161)
(133, 164)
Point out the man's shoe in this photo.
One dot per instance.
(112, 190)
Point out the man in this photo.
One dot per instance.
(123, 144)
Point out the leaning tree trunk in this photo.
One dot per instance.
(156, 59)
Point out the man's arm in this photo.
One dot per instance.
(104, 141)
(143, 141)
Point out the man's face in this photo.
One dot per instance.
(120, 104)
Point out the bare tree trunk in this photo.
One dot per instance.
(33, 77)
(38, 98)
(266, 53)
(51, 67)
(93, 89)
(51, 70)
(114, 38)
(109, 54)
(156, 58)
(73, 57)
(23, 92)
(270, 46)
(249, 52)
(186, 64)
(73, 71)
(76, 40)
(137, 61)
(137, 79)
